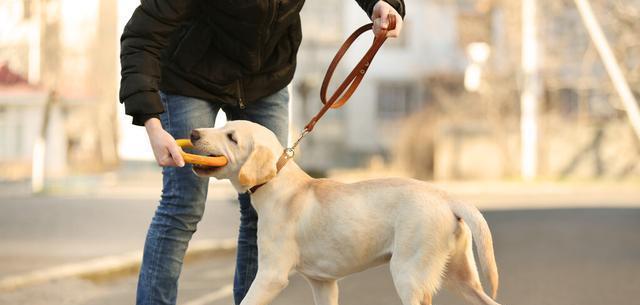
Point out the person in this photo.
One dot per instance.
(182, 62)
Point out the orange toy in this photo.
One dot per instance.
(198, 159)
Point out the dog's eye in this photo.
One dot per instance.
(231, 136)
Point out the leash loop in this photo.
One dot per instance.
(346, 89)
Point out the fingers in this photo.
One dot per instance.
(165, 148)
(168, 153)
(380, 25)
(377, 26)
(380, 17)
(166, 160)
(395, 33)
(174, 151)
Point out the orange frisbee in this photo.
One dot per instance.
(198, 159)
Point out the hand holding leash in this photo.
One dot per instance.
(380, 16)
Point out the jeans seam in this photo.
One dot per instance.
(168, 112)
(159, 235)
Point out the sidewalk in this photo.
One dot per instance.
(132, 180)
(545, 195)
(143, 180)
(510, 195)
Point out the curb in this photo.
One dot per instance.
(103, 268)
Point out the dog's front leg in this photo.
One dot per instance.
(324, 292)
(275, 260)
(266, 286)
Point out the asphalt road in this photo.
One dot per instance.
(42, 232)
(559, 257)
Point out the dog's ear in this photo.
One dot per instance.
(259, 168)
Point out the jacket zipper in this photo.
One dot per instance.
(274, 12)
(269, 25)
(241, 103)
(273, 4)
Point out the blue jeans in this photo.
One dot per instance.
(184, 194)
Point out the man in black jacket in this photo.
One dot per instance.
(183, 61)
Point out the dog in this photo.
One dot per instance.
(326, 230)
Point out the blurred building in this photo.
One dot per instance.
(64, 52)
(20, 102)
(443, 100)
(394, 87)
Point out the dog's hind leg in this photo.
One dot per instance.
(462, 273)
(324, 292)
(417, 278)
(426, 300)
(469, 288)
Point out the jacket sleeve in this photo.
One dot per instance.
(367, 6)
(144, 37)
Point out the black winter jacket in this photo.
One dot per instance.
(232, 51)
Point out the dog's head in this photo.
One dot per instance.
(251, 150)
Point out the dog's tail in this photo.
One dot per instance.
(483, 240)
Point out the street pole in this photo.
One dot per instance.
(49, 70)
(35, 43)
(105, 73)
(530, 91)
(610, 63)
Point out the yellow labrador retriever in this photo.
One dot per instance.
(326, 230)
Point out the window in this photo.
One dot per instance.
(396, 100)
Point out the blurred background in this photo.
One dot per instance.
(527, 108)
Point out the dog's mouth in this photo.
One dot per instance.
(205, 170)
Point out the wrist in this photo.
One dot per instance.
(152, 124)
(396, 5)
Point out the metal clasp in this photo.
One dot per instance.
(290, 152)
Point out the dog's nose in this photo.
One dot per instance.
(195, 136)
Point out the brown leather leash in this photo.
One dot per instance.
(346, 88)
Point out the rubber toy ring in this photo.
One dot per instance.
(198, 159)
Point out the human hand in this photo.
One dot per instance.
(380, 17)
(165, 149)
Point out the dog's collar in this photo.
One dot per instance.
(255, 188)
(287, 154)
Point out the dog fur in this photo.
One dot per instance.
(326, 230)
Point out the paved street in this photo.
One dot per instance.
(41, 232)
(559, 257)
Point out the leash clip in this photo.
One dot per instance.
(289, 153)
(304, 132)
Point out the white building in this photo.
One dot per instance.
(393, 88)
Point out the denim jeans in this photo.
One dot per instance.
(184, 194)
